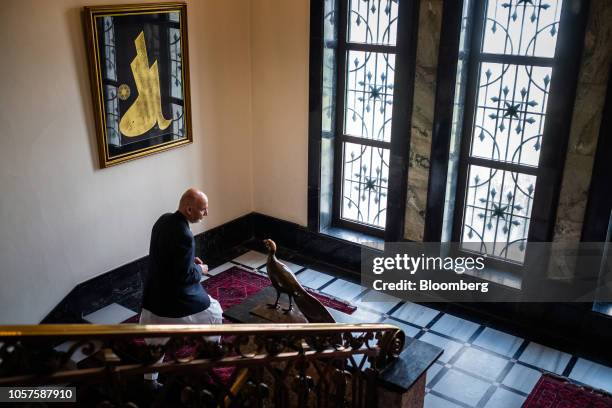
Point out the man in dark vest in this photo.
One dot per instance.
(173, 293)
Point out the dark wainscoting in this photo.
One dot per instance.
(343, 254)
(89, 296)
(124, 284)
(571, 327)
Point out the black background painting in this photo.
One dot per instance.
(117, 50)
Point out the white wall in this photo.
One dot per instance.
(62, 219)
(279, 47)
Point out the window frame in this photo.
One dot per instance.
(342, 50)
(405, 52)
(562, 91)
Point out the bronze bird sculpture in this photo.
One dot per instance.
(284, 281)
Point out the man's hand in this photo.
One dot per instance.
(202, 265)
(204, 268)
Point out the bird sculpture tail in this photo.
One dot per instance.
(312, 309)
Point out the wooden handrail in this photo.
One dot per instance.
(164, 330)
(274, 361)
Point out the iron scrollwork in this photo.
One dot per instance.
(268, 366)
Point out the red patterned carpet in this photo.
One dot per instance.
(232, 286)
(555, 392)
(235, 284)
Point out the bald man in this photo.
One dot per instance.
(173, 293)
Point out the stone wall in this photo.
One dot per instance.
(586, 120)
(430, 24)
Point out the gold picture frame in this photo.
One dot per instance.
(139, 68)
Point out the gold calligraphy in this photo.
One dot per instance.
(146, 110)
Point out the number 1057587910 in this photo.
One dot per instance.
(37, 394)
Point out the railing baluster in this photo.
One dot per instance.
(286, 363)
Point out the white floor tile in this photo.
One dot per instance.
(522, 378)
(461, 387)
(593, 374)
(505, 399)
(221, 268)
(415, 314)
(313, 279)
(252, 259)
(111, 314)
(292, 267)
(499, 342)
(433, 371)
(481, 363)
(409, 331)
(343, 289)
(365, 316)
(455, 327)
(450, 347)
(433, 401)
(377, 301)
(545, 357)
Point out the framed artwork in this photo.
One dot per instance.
(139, 67)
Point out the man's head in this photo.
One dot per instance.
(193, 205)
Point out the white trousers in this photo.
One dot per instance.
(211, 315)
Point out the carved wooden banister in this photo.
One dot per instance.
(164, 330)
(288, 364)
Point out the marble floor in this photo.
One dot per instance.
(480, 366)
